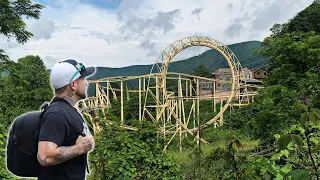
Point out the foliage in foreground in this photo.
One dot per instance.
(125, 154)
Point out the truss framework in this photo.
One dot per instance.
(168, 108)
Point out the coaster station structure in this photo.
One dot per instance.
(168, 108)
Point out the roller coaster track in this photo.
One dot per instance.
(168, 108)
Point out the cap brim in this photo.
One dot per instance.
(88, 71)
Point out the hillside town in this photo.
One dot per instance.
(254, 76)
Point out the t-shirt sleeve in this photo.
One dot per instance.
(53, 128)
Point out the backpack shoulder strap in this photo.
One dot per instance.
(71, 120)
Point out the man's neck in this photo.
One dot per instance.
(70, 100)
(69, 97)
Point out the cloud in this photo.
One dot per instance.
(49, 61)
(197, 11)
(127, 6)
(76, 28)
(234, 30)
(141, 29)
(100, 35)
(152, 53)
(243, 3)
(41, 29)
(272, 14)
(245, 17)
(147, 45)
(230, 7)
(163, 21)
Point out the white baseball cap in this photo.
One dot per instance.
(64, 72)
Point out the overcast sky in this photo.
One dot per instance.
(118, 33)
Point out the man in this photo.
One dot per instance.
(62, 150)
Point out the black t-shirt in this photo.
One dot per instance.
(57, 129)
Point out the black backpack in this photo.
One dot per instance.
(22, 145)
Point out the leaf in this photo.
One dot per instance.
(304, 118)
(313, 118)
(238, 143)
(284, 141)
(286, 169)
(277, 136)
(314, 140)
(297, 139)
(298, 174)
(279, 177)
(285, 153)
(243, 158)
(304, 107)
(263, 164)
(275, 156)
(316, 112)
(317, 148)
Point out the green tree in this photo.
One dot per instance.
(125, 154)
(23, 90)
(33, 71)
(11, 22)
(306, 20)
(293, 51)
(201, 70)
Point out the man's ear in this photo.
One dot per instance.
(73, 85)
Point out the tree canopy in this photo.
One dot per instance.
(201, 71)
(11, 22)
(16, 95)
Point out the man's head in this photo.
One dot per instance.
(68, 78)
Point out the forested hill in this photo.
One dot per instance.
(211, 59)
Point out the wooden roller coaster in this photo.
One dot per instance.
(166, 107)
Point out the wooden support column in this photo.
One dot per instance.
(190, 88)
(180, 111)
(121, 103)
(140, 104)
(214, 97)
(164, 94)
(198, 108)
(179, 97)
(108, 98)
(187, 89)
(97, 90)
(194, 112)
(177, 123)
(157, 98)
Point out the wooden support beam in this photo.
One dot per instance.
(140, 103)
(122, 103)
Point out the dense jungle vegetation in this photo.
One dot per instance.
(276, 137)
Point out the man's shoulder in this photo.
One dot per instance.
(55, 115)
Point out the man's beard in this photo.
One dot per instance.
(81, 95)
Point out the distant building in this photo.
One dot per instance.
(260, 74)
(206, 87)
(246, 73)
(224, 78)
